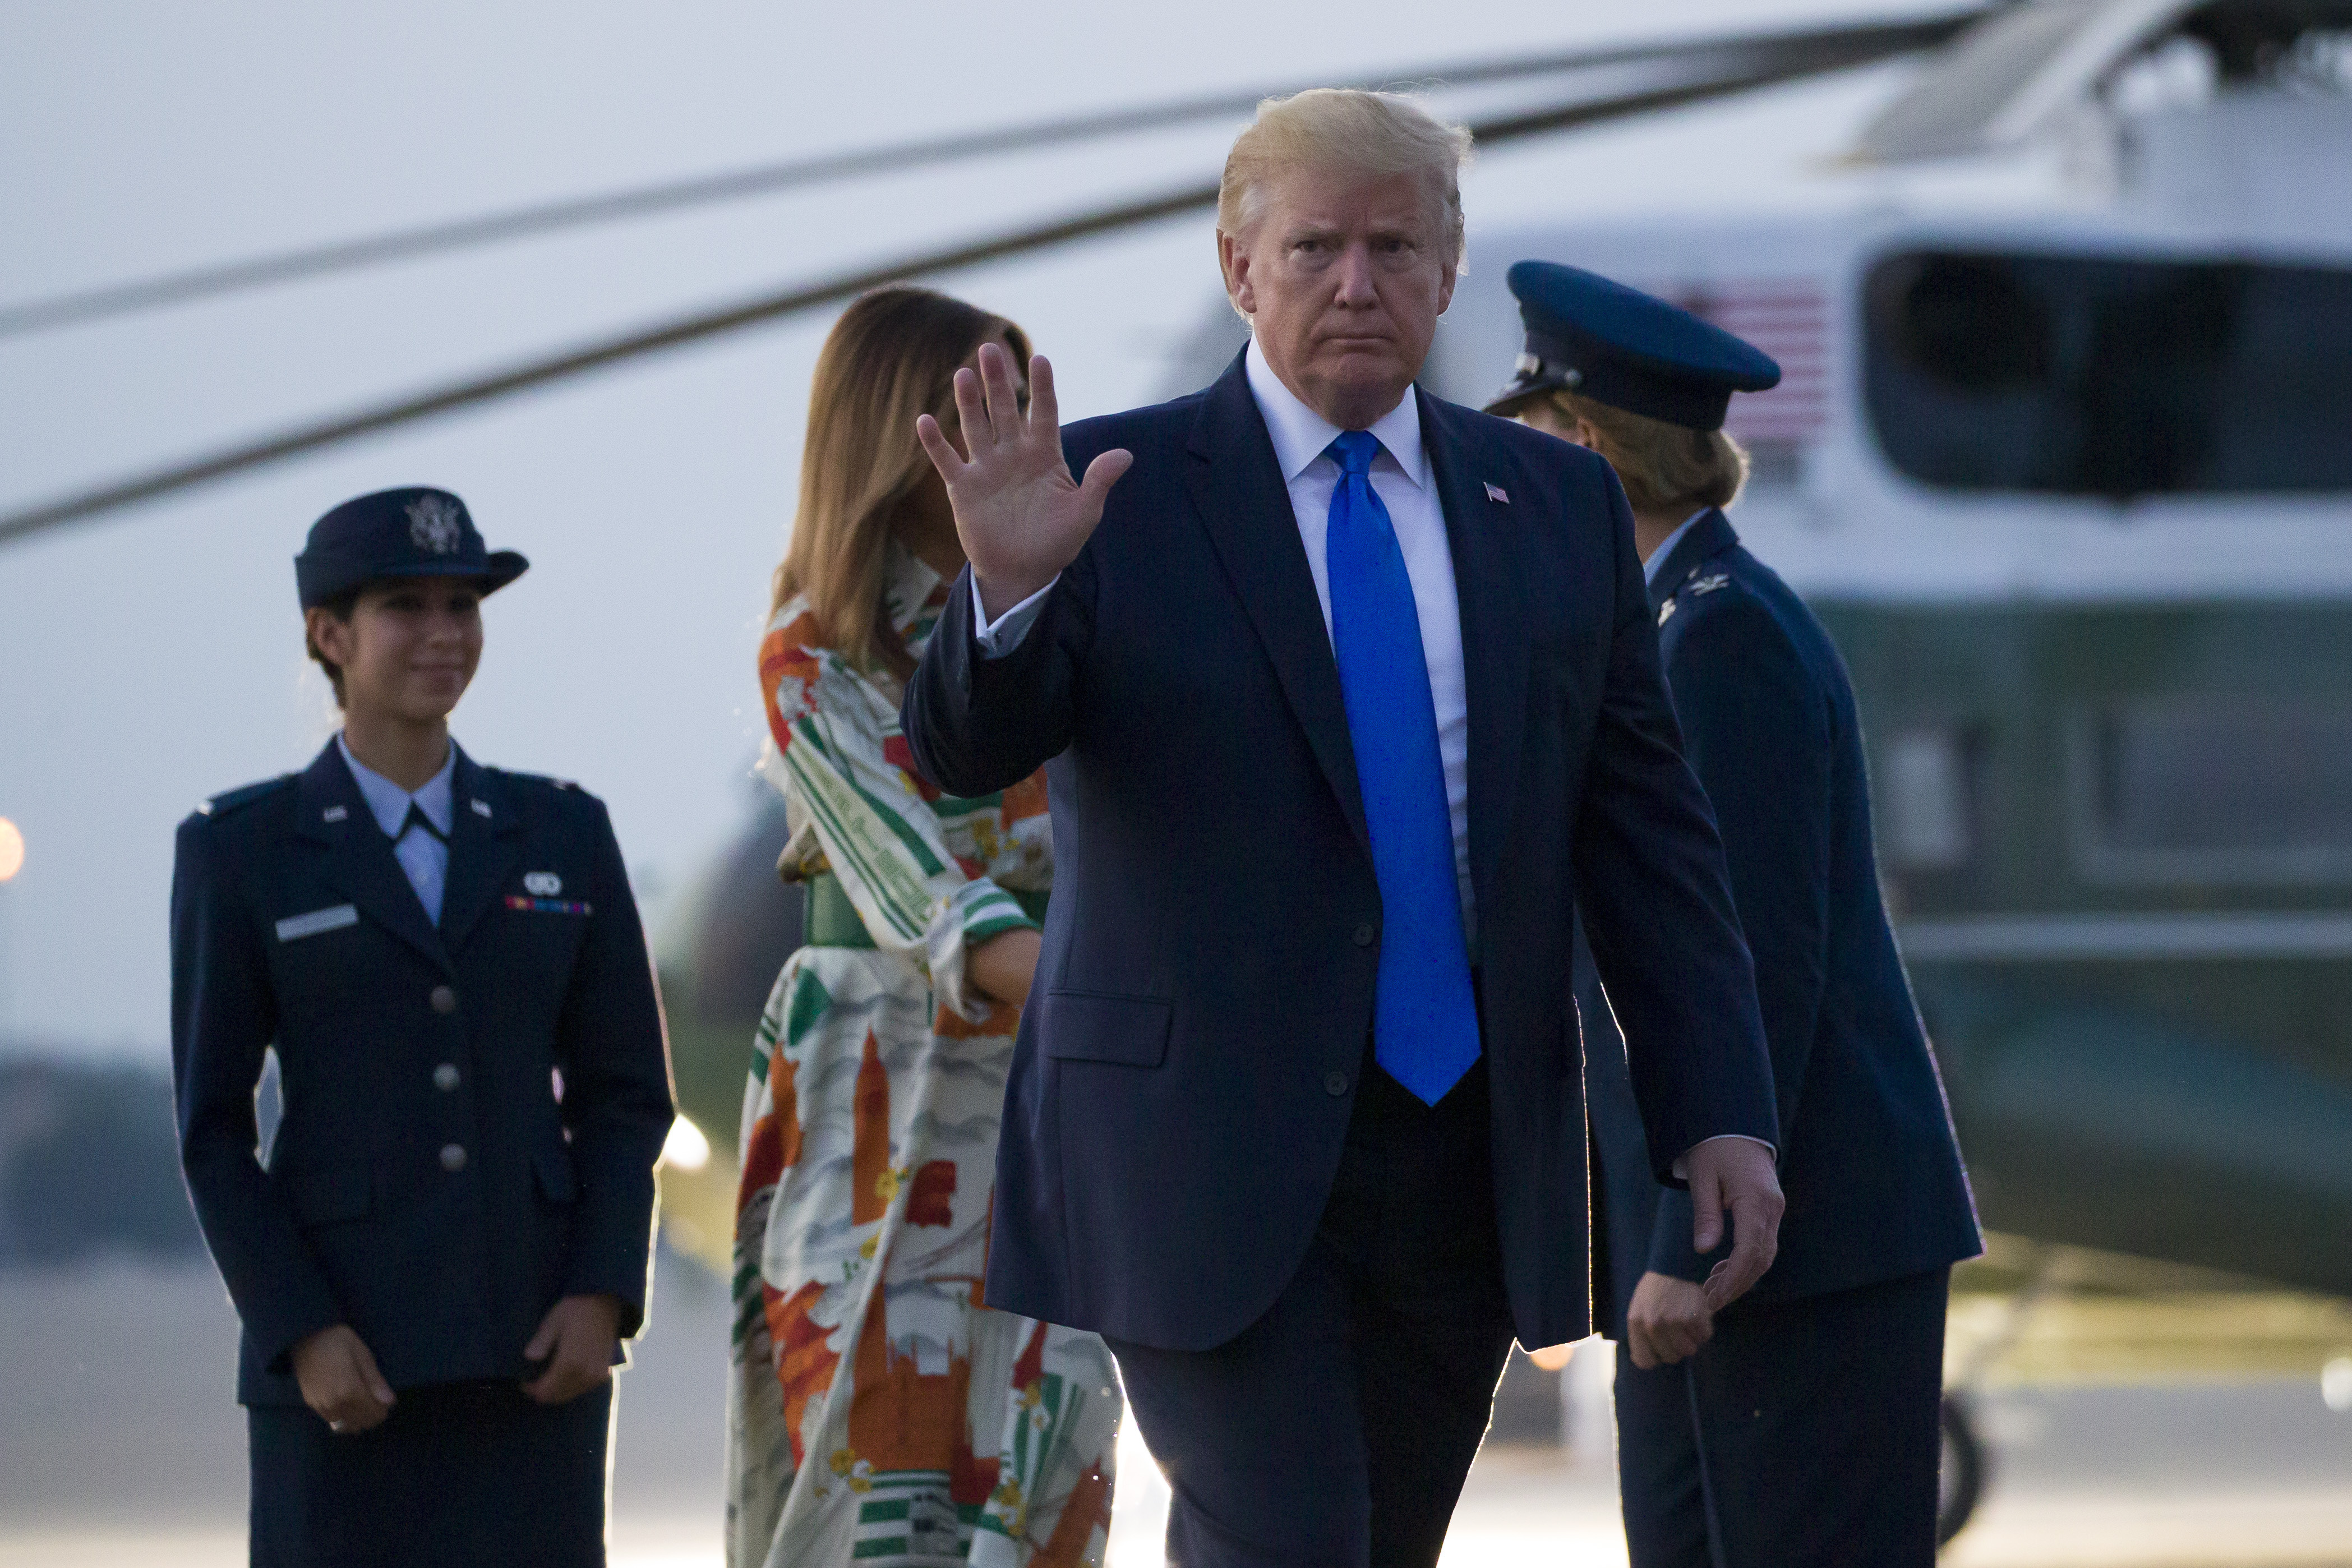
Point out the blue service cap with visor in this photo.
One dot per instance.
(1597, 338)
(414, 531)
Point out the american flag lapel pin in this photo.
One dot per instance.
(1497, 492)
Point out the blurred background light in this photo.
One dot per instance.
(687, 1149)
(12, 849)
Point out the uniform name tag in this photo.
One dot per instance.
(294, 928)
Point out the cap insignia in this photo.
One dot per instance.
(1528, 365)
(433, 524)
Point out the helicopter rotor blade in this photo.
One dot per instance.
(194, 284)
(1815, 60)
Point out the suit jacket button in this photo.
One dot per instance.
(445, 1077)
(1334, 1084)
(444, 1000)
(1364, 934)
(453, 1157)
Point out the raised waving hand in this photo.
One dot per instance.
(1020, 514)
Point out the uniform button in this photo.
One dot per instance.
(1364, 934)
(1334, 1084)
(453, 1157)
(445, 1077)
(444, 1000)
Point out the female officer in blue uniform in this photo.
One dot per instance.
(434, 1261)
(1800, 1427)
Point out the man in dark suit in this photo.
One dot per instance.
(1347, 697)
(1805, 1431)
(449, 1232)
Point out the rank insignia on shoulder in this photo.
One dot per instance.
(1665, 610)
(1709, 584)
(542, 884)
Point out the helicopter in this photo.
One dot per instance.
(2063, 460)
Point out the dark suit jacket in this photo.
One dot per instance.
(293, 925)
(1869, 1165)
(1184, 1073)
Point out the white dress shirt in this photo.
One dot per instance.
(423, 856)
(1401, 477)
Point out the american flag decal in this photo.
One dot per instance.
(1788, 319)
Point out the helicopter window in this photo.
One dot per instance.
(2244, 792)
(1924, 793)
(2093, 376)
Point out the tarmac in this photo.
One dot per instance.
(120, 1442)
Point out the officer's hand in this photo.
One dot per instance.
(1734, 1174)
(340, 1380)
(1669, 1319)
(575, 1340)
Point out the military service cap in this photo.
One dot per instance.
(414, 531)
(1627, 349)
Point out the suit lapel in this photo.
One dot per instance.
(485, 846)
(1237, 489)
(1495, 629)
(334, 815)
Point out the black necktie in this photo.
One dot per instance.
(416, 818)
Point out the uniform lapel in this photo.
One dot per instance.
(1238, 490)
(1710, 536)
(1496, 630)
(485, 845)
(334, 814)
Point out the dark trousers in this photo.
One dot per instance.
(1334, 1431)
(1805, 1436)
(457, 1475)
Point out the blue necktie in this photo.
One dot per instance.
(1424, 1023)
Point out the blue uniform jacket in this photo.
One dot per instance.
(1185, 1071)
(1869, 1165)
(426, 1185)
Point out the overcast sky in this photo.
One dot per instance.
(154, 659)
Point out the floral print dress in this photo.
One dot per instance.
(878, 1412)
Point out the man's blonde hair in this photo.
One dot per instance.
(1375, 133)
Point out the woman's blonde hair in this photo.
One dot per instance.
(1339, 128)
(1664, 467)
(892, 355)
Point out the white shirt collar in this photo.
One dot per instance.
(1301, 435)
(388, 803)
(1658, 556)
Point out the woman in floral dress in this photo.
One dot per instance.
(878, 1412)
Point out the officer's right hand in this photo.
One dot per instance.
(340, 1380)
(1019, 515)
(1667, 1320)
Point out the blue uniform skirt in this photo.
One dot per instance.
(458, 1473)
